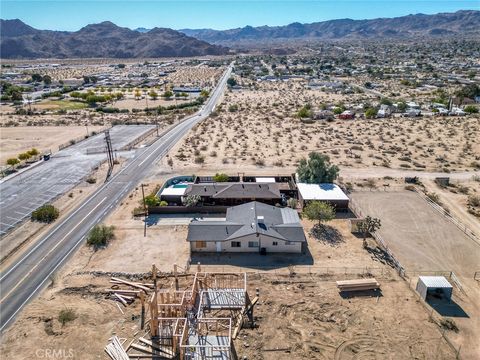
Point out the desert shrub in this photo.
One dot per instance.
(449, 324)
(199, 159)
(91, 180)
(474, 200)
(220, 177)
(434, 197)
(46, 214)
(66, 315)
(100, 235)
(292, 203)
(151, 200)
(163, 203)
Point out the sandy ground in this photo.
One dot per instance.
(424, 241)
(304, 313)
(421, 238)
(15, 140)
(265, 132)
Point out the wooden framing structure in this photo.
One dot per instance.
(183, 323)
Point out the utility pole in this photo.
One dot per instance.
(144, 213)
(109, 154)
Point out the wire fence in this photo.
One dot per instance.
(464, 228)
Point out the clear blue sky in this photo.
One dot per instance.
(218, 14)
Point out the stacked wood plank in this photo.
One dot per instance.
(115, 350)
(358, 284)
(127, 296)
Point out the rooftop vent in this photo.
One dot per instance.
(260, 219)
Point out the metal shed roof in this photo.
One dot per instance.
(321, 192)
(435, 281)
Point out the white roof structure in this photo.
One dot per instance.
(435, 281)
(174, 191)
(264, 179)
(324, 192)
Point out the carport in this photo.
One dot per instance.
(434, 285)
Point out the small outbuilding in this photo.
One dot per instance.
(330, 193)
(436, 286)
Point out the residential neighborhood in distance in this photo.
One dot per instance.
(240, 180)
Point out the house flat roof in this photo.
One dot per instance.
(435, 281)
(321, 192)
(264, 179)
(173, 191)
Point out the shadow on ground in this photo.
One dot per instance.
(446, 308)
(362, 293)
(253, 260)
(327, 234)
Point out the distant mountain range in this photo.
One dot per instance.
(105, 40)
(464, 22)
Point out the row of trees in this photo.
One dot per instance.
(22, 157)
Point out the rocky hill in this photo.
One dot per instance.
(464, 22)
(104, 40)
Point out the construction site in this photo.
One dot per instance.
(197, 317)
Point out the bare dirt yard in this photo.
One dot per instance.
(300, 314)
(15, 140)
(424, 241)
(418, 235)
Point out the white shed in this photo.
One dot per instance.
(434, 285)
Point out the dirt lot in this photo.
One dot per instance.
(420, 237)
(304, 314)
(15, 140)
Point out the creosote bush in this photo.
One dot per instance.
(66, 315)
(46, 214)
(100, 235)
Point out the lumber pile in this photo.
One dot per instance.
(115, 350)
(358, 284)
(151, 350)
(127, 296)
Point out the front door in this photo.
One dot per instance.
(219, 246)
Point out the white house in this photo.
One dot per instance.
(250, 227)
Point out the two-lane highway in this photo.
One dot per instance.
(25, 278)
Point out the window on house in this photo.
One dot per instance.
(275, 243)
(200, 244)
(253, 244)
(236, 244)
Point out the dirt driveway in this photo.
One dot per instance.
(420, 237)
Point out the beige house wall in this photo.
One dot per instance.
(264, 241)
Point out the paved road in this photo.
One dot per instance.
(22, 194)
(24, 279)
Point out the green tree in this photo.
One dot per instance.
(153, 94)
(220, 177)
(100, 235)
(204, 93)
(367, 226)
(13, 161)
(402, 106)
(37, 77)
(24, 156)
(370, 113)
(47, 79)
(231, 82)
(167, 94)
(16, 95)
(317, 169)
(305, 112)
(33, 152)
(319, 211)
(152, 200)
(46, 214)
(471, 109)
